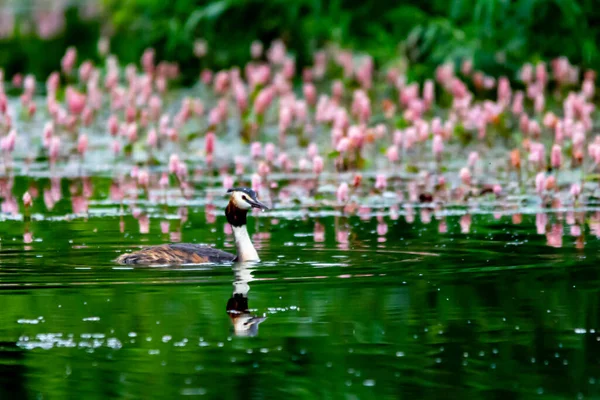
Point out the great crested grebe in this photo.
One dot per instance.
(241, 200)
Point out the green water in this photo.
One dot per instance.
(406, 312)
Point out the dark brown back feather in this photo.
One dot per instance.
(176, 254)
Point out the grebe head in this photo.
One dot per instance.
(245, 199)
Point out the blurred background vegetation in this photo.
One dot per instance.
(499, 35)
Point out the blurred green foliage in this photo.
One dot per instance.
(499, 35)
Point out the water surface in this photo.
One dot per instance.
(385, 305)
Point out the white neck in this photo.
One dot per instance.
(245, 248)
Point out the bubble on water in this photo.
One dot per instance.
(153, 352)
(399, 354)
(193, 392)
(580, 331)
(166, 338)
(540, 391)
(369, 382)
(132, 334)
(28, 321)
(92, 319)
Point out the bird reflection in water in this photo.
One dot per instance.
(244, 322)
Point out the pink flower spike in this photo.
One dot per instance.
(256, 149)
(143, 178)
(8, 142)
(227, 182)
(75, 101)
(575, 190)
(164, 180)
(174, 163)
(342, 193)
(437, 146)
(27, 200)
(152, 139)
(312, 150)
(113, 125)
(82, 144)
(540, 181)
(256, 182)
(209, 144)
(473, 158)
(54, 148)
(270, 152)
(380, 182)
(556, 156)
(318, 165)
(392, 154)
(465, 176)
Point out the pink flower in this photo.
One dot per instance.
(256, 149)
(221, 82)
(343, 145)
(497, 189)
(143, 178)
(473, 158)
(437, 146)
(380, 182)
(8, 142)
(227, 182)
(115, 147)
(68, 60)
(256, 182)
(343, 193)
(152, 139)
(82, 144)
(556, 156)
(550, 183)
(256, 49)
(174, 162)
(263, 100)
(392, 154)
(270, 152)
(164, 180)
(428, 92)
(575, 190)
(310, 93)
(132, 132)
(209, 144)
(540, 182)
(313, 150)
(465, 176)
(75, 101)
(27, 200)
(54, 148)
(318, 165)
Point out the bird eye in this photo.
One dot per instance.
(244, 198)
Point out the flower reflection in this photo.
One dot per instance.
(465, 223)
(554, 237)
(319, 232)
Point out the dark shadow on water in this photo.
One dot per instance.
(13, 383)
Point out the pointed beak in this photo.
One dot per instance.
(257, 204)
